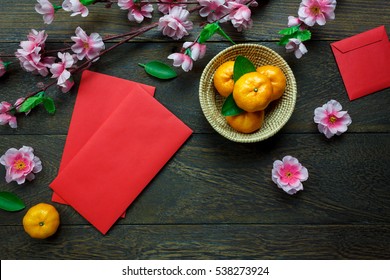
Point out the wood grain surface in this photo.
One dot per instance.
(215, 198)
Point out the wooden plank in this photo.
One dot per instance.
(316, 85)
(268, 19)
(202, 242)
(213, 180)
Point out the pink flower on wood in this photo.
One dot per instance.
(240, 15)
(197, 50)
(176, 23)
(214, 10)
(45, 8)
(76, 7)
(183, 60)
(169, 4)
(67, 86)
(331, 119)
(288, 174)
(30, 53)
(5, 116)
(316, 11)
(20, 164)
(59, 70)
(137, 10)
(87, 46)
(296, 46)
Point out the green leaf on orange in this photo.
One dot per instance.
(10, 202)
(230, 108)
(242, 65)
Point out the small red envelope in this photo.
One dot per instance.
(117, 162)
(99, 95)
(364, 62)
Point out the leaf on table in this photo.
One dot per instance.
(159, 70)
(290, 30)
(10, 202)
(303, 35)
(49, 105)
(242, 65)
(230, 108)
(207, 32)
(32, 102)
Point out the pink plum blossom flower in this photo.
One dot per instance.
(30, 53)
(66, 87)
(20, 164)
(169, 4)
(181, 59)
(197, 50)
(18, 104)
(176, 23)
(331, 120)
(288, 174)
(214, 10)
(5, 116)
(76, 7)
(45, 8)
(89, 46)
(59, 70)
(138, 10)
(296, 46)
(241, 14)
(3, 67)
(316, 11)
(293, 21)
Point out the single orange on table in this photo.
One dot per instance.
(246, 122)
(252, 92)
(223, 78)
(277, 77)
(41, 221)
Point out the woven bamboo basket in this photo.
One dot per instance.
(276, 114)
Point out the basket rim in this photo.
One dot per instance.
(214, 118)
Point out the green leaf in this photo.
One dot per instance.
(31, 102)
(87, 2)
(222, 33)
(285, 39)
(49, 105)
(159, 70)
(230, 108)
(10, 202)
(207, 32)
(242, 65)
(303, 35)
(56, 7)
(290, 30)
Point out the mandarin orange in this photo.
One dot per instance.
(277, 77)
(252, 92)
(223, 78)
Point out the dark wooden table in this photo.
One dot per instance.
(215, 198)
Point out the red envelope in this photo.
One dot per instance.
(364, 62)
(120, 159)
(98, 95)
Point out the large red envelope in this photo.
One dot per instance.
(98, 96)
(364, 62)
(120, 159)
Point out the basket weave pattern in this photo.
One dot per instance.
(276, 114)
